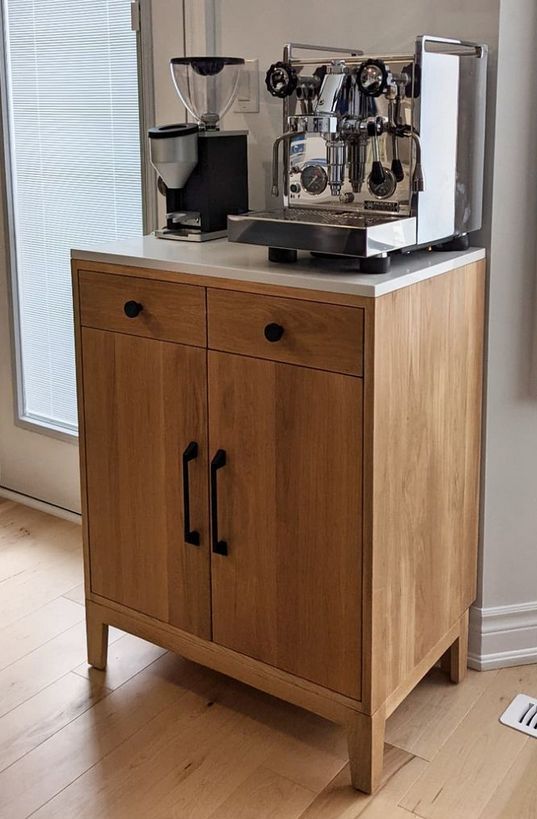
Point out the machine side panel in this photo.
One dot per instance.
(438, 123)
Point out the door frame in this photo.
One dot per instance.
(141, 23)
(41, 447)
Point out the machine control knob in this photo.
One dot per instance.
(132, 309)
(372, 78)
(273, 332)
(281, 80)
(294, 187)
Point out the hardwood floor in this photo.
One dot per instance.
(157, 737)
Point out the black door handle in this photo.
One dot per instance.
(219, 546)
(132, 308)
(190, 454)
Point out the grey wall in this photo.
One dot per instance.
(252, 28)
(510, 500)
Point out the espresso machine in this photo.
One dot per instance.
(203, 172)
(380, 153)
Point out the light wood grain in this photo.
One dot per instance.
(38, 627)
(516, 794)
(189, 744)
(427, 430)
(28, 675)
(268, 678)
(171, 312)
(288, 592)
(39, 561)
(97, 639)
(21, 538)
(365, 736)
(52, 708)
(127, 657)
(339, 800)
(455, 660)
(265, 795)
(478, 768)
(220, 283)
(324, 336)
(459, 781)
(400, 588)
(44, 772)
(147, 402)
(433, 711)
(76, 594)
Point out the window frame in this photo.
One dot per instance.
(141, 13)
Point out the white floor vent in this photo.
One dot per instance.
(522, 715)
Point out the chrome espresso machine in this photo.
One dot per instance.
(380, 153)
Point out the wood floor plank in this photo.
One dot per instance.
(37, 628)
(28, 532)
(340, 801)
(40, 559)
(24, 593)
(457, 784)
(43, 773)
(516, 795)
(126, 657)
(305, 748)
(188, 759)
(76, 594)
(430, 714)
(27, 676)
(265, 795)
(37, 719)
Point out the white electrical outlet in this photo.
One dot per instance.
(247, 101)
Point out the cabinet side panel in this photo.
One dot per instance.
(427, 433)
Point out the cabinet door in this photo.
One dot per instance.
(144, 403)
(290, 509)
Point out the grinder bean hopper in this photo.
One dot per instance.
(203, 172)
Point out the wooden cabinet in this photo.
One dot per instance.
(284, 486)
(288, 592)
(144, 403)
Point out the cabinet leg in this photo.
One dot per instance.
(97, 638)
(365, 738)
(455, 660)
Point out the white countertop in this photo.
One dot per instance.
(224, 259)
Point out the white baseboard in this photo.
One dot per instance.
(34, 503)
(503, 636)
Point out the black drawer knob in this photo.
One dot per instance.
(273, 332)
(132, 308)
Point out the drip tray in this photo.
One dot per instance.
(323, 231)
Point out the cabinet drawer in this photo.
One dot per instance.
(323, 336)
(169, 312)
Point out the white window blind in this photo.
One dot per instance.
(74, 145)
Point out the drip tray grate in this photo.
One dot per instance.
(522, 715)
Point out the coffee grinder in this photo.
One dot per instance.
(203, 172)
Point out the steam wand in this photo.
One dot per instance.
(288, 135)
(418, 181)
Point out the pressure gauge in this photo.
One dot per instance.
(385, 188)
(314, 179)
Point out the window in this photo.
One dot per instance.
(72, 132)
